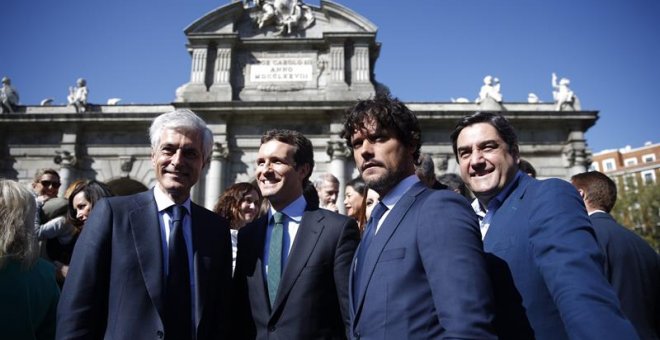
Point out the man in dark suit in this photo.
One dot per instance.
(293, 263)
(545, 263)
(154, 264)
(631, 265)
(420, 271)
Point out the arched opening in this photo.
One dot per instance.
(126, 186)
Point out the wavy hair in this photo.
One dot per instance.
(17, 214)
(228, 205)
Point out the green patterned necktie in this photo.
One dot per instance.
(275, 256)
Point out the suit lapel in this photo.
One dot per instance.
(387, 228)
(201, 262)
(257, 239)
(308, 235)
(500, 226)
(145, 227)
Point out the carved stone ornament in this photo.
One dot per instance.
(338, 149)
(288, 16)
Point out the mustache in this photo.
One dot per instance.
(369, 164)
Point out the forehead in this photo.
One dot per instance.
(275, 148)
(181, 137)
(79, 197)
(477, 133)
(48, 177)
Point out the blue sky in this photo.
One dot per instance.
(432, 50)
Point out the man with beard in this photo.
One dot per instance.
(420, 271)
(153, 265)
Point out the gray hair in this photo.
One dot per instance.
(326, 177)
(182, 120)
(17, 213)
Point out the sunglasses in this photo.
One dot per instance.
(47, 184)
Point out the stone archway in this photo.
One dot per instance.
(126, 186)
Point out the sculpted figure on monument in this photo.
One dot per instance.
(490, 89)
(78, 96)
(287, 16)
(563, 95)
(8, 96)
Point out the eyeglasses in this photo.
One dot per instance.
(47, 184)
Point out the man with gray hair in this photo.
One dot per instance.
(425, 170)
(327, 186)
(153, 264)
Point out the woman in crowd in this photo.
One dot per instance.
(354, 198)
(28, 289)
(82, 197)
(240, 205)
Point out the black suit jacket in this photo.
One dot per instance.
(115, 285)
(633, 269)
(312, 299)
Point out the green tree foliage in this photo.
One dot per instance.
(638, 208)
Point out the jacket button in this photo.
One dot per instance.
(159, 334)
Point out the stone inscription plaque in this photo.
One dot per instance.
(281, 70)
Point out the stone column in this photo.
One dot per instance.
(360, 72)
(221, 88)
(198, 68)
(575, 153)
(195, 89)
(215, 177)
(337, 64)
(338, 153)
(66, 161)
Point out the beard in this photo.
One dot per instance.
(383, 184)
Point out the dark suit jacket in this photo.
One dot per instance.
(426, 273)
(115, 285)
(633, 269)
(312, 299)
(547, 268)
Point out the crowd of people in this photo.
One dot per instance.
(489, 253)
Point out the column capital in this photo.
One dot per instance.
(220, 152)
(65, 159)
(338, 150)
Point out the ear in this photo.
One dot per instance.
(303, 170)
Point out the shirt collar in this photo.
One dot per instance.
(395, 194)
(293, 211)
(163, 202)
(597, 211)
(502, 195)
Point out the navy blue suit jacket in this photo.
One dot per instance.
(633, 269)
(426, 273)
(115, 285)
(547, 268)
(312, 298)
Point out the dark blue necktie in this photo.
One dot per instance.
(361, 255)
(178, 320)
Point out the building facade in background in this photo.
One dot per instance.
(262, 66)
(636, 172)
(641, 163)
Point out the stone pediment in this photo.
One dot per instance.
(280, 50)
(233, 18)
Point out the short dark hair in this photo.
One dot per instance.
(527, 167)
(504, 129)
(358, 185)
(599, 190)
(389, 113)
(304, 151)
